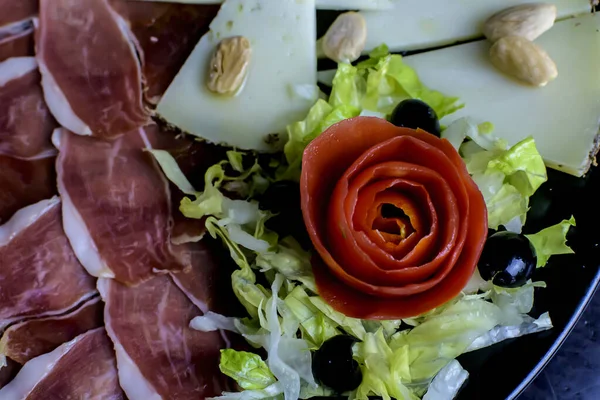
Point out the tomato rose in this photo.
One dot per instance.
(397, 222)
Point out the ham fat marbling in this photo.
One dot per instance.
(39, 273)
(83, 368)
(91, 73)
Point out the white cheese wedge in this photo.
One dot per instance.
(563, 117)
(282, 38)
(320, 4)
(420, 24)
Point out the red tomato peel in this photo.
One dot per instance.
(373, 266)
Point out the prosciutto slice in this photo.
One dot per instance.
(13, 11)
(16, 39)
(26, 124)
(116, 206)
(158, 355)
(91, 74)
(39, 273)
(83, 368)
(26, 340)
(167, 34)
(24, 182)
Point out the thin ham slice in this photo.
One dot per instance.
(158, 355)
(167, 34)
(24, 182)
(25, 122)
(91, 74)
(83, 368)
(26, 340)
(39, 273)
(13, 11)
(116, 206)
(16, 40)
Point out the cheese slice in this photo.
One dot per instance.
(320, 4)
(419, 24)
(563, 117)
(282, 38)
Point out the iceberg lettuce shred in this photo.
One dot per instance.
(372, 87)
(507, 176)
(551, 241)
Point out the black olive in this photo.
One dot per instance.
(508, 259)
(334, 366)
(415, 114)
(281, 196)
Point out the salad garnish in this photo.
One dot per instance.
(408, 352)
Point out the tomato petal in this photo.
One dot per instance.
(373, 267)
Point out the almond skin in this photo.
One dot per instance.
(524, 60)
(526, 20)
(229, 65)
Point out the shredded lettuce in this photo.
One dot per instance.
(551, 241)
(383, 369)
(447, 383)
(506, 178)
(248, 369)
(288, 319)
(372, 87)
(272, 392)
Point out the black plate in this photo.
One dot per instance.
(504, 370)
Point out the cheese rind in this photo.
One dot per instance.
(418, 24)
(282, 38)
(563, 117)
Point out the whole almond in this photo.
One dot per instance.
(229, 65)
(524, 60)
(527, 20)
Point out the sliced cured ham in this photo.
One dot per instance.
(24, 182)
(167, 34)
(91, 74)
(26, 124)
(116, 206)
(16, 40)
(158, 355)
(13, 11)
(26, 340)
(39, 273)
(83, 368)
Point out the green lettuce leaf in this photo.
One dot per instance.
(447, 383)
(446, 335)
(247, 369)
(383, 369)
(390, 80)
(315, 327)
(372, 87)
(523, 165)
(506, 178)
(290, 260)
(551, 241)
